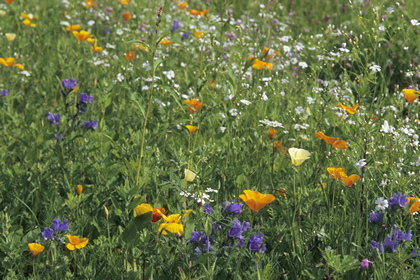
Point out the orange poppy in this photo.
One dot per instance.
(35, 248)
(410, 94)
(127, 16)
(342, 145)
(329, 140)
(82, 35)
(182, 5)
(256, 200)
(156, 216)
(72, 28)
(266, 52)
(349, 180)
(279, 147)
(348, 109)
(272, 133)
(79, 189)
(88, 4)
(130, 55)
(191, 128)
(198, 34)
(165, 42)
(96, 49)
(9, 1)
(76, 242)
(195, 104)
(259, 64)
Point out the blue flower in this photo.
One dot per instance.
(195, 236)
(208, 209)
(47, 233)
(84, 98)
(175, 25)
(376, 245)
(4, 93)
(391, 244)
(399, 235)
(55, 119)
(237, 229)
(234, 208)
(68, 85)
(376, 218)
(397, 200)
(58, 136)
(91, 124)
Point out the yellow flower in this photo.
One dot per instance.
(173, 224)
(28, 23)
(198, 34)
(259, 64)
(10, 37)
(165, 42)
(139, 46)
(256, 200)
(349, 180)
(195, 104)
(76, 242)
(143, 209)
(182, 5)
(96, 49)
(348, 109)
(272, 133)
(35, 248)
(189, 175)
(82, 35)
(10, 62)
(79, 189)
(72, 28)
(335, 173)
(410, 94)
(269, 53)
(191, 128)
(298, 156)
(26, 16)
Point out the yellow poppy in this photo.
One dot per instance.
(191, 128)
(10, 62)
(410, 94)
(298, 156)
(76, 242)
(82, 35)
(28, 23)
(348, 109)
(143, 208)
(349, 180)
(10, 36)
(35, 248)
(415, 206)
(256, 200)
(73, 27)
(189, 175)
(96, 49)
(198, 34)
(165, 42)
(335, 173)
(173, 224)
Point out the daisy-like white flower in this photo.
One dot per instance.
(381, 203)
(361, 163)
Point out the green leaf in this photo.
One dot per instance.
(135, 225)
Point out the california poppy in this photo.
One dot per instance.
(279, 147)
(82, 35)
(195, 104)
(10, 36)
(349, 180)
(272, 133)
(341, 144)
(335, 173)
(96, 49)
(73, 27)
(88, 4)
(189, 175)
(79, 189)
(259, 64)
(10, 62)
(130, 55)
(127, 16)
(348, 109)
(269, 53)
(35, 248)
(173, 224)
(298, 156)
(191, 128)
(165, 42)
(410, 94)
(76, 242)
(329, 140)
(256, 200)
(182, 5)
(198, 34)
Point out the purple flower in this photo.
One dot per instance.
(415, 252)
(175, 25)
(376, 218)
(84, 98)
(185, 35)
(234, 208)
(365, 264)
(255, 242)
(241, 241)
(68, 85)
(197, 251)
(55, 119)
(47, 233)
(91, 124)
(376, 245)
(399, 235)
(58, 136)
(4, 93)
(391, 244)
(397, 200)
(208, 209)
(195, 236)
(237, 229)
(58, 226)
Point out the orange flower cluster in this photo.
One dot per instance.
(194, 105)
(340, 144)
(340, 173)
(195, 12)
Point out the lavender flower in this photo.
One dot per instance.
(68, 85)
(84, 98)
(391, 244)
(365, 264)
(4, 93)
(398, 200)
(376, 218)
(55, 119)
(376, 245)
(208, 209)
(58, 136)
(399, 235)
(195, 236)
(91, 124)
(237, 229)
(175, 25)
(48, 233)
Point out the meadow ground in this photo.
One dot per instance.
(218, 139)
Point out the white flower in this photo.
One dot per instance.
(381, 203)
(361, 163)
(387, 128)
(222, 129)
(120, 77)
(233, 112)
(271, 123)
(298, 156)
(169, 74)
(415, 22)
(375, 68)
(246, 102)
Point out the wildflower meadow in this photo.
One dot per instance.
(209, 139)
